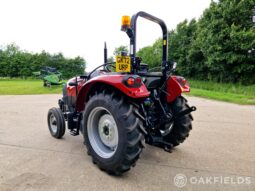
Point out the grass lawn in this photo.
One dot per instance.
(26, 87)
(234, 93)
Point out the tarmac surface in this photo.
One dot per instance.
(219, 154)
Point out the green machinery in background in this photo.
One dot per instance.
(50, 76)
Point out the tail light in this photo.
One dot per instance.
(138, 80)
(133, 81)
(182, 81)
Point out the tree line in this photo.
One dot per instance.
(219, 46)
(15, 62)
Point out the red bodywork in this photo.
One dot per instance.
(175, 86)
(113, 80)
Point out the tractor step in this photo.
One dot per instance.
(74, 132)
(73, 121)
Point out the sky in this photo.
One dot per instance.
(80, 27)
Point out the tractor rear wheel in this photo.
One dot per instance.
(182, 126)
(111, 133)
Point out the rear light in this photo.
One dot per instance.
(182, 81)
(138, 81)
(131, 81)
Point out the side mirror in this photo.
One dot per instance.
(174, 66)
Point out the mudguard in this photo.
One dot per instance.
(115, 81)
(176, 85)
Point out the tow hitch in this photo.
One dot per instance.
(185, 112)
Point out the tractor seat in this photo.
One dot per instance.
(153, 80)
(157, 74)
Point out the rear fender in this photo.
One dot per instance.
(115, 81)
(176, 85)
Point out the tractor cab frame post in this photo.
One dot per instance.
(131, 32)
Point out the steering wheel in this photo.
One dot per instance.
(110, 65)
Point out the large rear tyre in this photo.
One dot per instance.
(111, 133)
(182, 126)
(56, 122)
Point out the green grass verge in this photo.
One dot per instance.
(234, 93)
(26, 87)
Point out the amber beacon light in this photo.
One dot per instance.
(125, 22)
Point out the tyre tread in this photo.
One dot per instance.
(126, 113)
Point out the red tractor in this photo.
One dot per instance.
(118, 112)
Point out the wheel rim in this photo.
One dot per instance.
(102, 132)
(53, 123)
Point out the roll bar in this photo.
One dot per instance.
(132, 35)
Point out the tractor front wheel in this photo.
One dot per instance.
(56, 122)
(111, 133)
